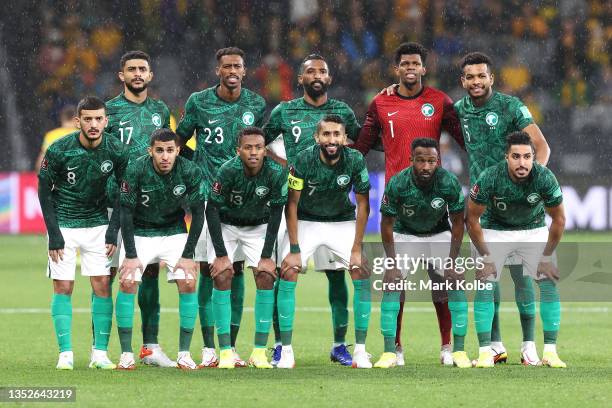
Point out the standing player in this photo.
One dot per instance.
(416, 207)
(296, 122)
(154, 192)
(132, 117)
(243, 214)
(66, 127)
(506, 217)
(71, 190)
(319, 213)
(413, 110)
(487, 117)
(217, 115)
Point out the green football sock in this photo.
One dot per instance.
(338, 300)
(275, 326)
(110, 288)
(102, 312)
(61, 312)
(457, 304)
(361, 309)
(495, 325)
(207, 318)
(550, 310)
(148, 301)
(389, 308)
(286, 310)
(524, 294)
(222, 309)
(264, 306)
(124, 312)
(237, 306)
(483, 315)
(188, 310)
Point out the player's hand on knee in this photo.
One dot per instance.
(110, 250)
(451, 274)
(291, 264)
(56, 255)
(548, 270)
(128, 270)
(487, 270)
(392, 275)
(188, 266)
(220, 265)
(268, 266)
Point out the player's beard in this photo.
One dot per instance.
(424, 181)
(136, 91)
(91, 138)
(315, 93)
(331, 157)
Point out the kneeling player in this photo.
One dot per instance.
(415, 211)
(154, 193)
(506, 218)
(320, 214)
(243, 215)
(71, 189)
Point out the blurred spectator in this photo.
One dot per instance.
(574, 89)
(515, 76)
(67, 126)
(449, 157)
(359, 43)
(274, 78)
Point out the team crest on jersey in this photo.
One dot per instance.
(179, 190)
(427, 110)
(343, 180)
(248, 118)
(156, 119)
(492, 119)
(261, 191)
(106, 166)
(533, 198)
(437, 203)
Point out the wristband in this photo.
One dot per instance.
(546, 258)
(294, 248)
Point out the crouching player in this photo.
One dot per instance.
(154, 192)
(243, 214)
(506, 218)
(416, 207)
(71, 190)
(319, 213)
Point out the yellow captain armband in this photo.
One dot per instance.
(295, 183)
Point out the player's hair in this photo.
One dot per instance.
(330, 118)
(310, 57)
(90, 103)
(67, 113)
(519, 138)
(410, 48)
(229, 51)
(163, 135)
(132, 55)
(250, 130)
(474, 58)
(425, 142)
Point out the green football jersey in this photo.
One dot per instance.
(79, 176)
(132, 123)
(159, 200)
(325, 189)
(515, 206)
(485, 128)
(419, 210)
(297, 121)
(244, 200)
(217, 124)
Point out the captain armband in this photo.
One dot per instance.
(295, 183)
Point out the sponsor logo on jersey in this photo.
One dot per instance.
(343, 180)
(533, 198)
(437, 203)
(427, 110)
(261, 191)
(474, 191)
(248, 118)
(179, 190)
(293, 122)
(392, 113)
(106, 166)
(125, 187)
(216, 187)
(211, 121)
(492, 119)
(156, 119)
(123, 122)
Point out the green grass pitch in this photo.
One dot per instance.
(28, 354)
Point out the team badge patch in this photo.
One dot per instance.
(261, 191)
(427, 110)
(533, 198)
(125, 187)
(248, 118)
(437, 203)
(385, 199)
(44, 164)
(491, 119)
(216, 187)
(179, 190)
(474, 191)
(343, 180)
(156, 119)
(106, 166)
